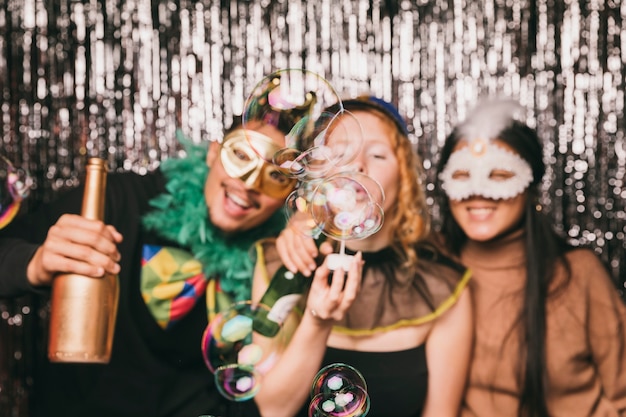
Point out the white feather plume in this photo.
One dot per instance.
(489, 118)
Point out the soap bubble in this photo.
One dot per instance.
(339, 390)
(336, 376)
(15, 187)
(343, 206)
(298, 204)
(348, 402)
(348, 206)
(298, 102)
(232, 356)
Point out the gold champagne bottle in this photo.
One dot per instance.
(83, 309)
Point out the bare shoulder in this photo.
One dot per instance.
(461, 310)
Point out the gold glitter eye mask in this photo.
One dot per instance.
(249, 163)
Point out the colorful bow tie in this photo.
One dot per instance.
(172, 281)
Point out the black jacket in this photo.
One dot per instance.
(152, 372)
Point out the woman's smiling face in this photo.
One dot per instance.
(483, 219)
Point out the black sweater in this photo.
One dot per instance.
(152, 372)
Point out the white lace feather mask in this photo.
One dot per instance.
(483, 168)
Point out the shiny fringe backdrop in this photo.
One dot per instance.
(115, 78)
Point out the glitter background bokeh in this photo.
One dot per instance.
(115, 79)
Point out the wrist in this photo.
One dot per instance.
(32, 271)
(317, 319)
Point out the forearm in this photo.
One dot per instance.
(285, 388)
(448, 352)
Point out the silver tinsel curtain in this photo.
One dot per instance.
(116, 78)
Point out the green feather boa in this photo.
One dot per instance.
(181, 215)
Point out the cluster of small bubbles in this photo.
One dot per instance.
(230, 353)
(322, 141)
(348, 206)
(339, 390)
(307, 107)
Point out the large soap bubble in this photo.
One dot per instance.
(344, 206)
(15, 185)
(339, 390)
(232, 356)
(348, 206)
(298, 102)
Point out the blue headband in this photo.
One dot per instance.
(381, 105)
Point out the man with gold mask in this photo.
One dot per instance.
(179, 240)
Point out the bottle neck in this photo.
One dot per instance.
(95, 184)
